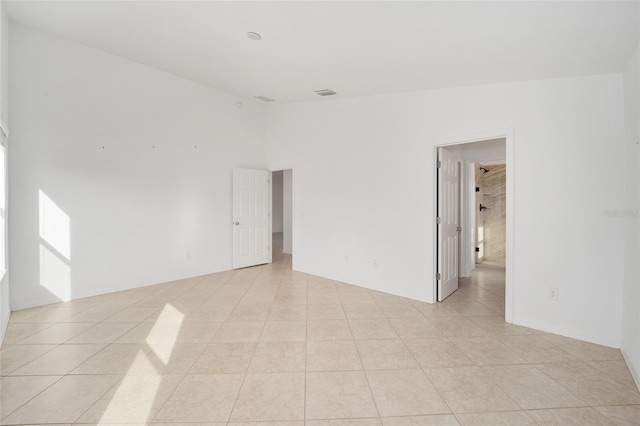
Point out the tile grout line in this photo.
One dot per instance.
(366, 377)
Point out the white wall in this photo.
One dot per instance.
(364, 190)
(134, 211)
(287, 210)
(276, 202)
(631, 295)
(4, 67)
(5, 306)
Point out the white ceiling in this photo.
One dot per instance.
(354, 48)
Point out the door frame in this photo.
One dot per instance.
(508, 135)
(293, 206)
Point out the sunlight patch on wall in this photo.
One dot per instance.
(55, 274)
(55, 248)
(55, 226)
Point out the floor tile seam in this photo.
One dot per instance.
(366, 377)
(495, 412)
(424, 373)
(519, 410)
(227, 320)
(117, 383)
(474, 365)
(118, 311)
(603, 376)
(492, 383)
(56, 343)
(26, 402)
(324, 419)
(39, 356)
(304, 398)
(377, 338)
(334, 370)
(71, 373)
(558, 384)
(246, 373)
(503, 346)
(168, 398)
(68, 342)
(592, 407)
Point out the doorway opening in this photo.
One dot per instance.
(490, 200)
(474, 222)
(282, 217)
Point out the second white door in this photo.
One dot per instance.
(448, 226)
(251, 217)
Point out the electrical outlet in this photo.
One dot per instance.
(188, 255)
(554, 293)
(346, 259)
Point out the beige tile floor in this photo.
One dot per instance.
(271, 346)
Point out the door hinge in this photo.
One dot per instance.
(438, 221)
(268, 180)
(438, 276)
(438, 164)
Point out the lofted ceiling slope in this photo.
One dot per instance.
(353, 48)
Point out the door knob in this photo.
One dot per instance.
(237, 223)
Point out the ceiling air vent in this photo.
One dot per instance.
(264, 98)
(325, 92)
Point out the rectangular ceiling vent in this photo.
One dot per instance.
(264, 98)
(325, 92)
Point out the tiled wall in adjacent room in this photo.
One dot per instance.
(492, 220)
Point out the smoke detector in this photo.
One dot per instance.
(264, 98)
(325, 92)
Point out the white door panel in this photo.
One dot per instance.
(448, 212)
(251, 217)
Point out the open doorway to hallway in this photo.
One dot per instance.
(281, 216)
(483, 229)
(491, 214)
(486, 283)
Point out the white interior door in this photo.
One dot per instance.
(448, 223)
(251, 217)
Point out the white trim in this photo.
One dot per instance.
(561, 331)
(281, 168)
(270, 209)
(635, 372)
(3, 330)
(508, 135)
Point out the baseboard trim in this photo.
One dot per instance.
(100, 292)
(635, 372)
(3, 328)
(549, 328)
